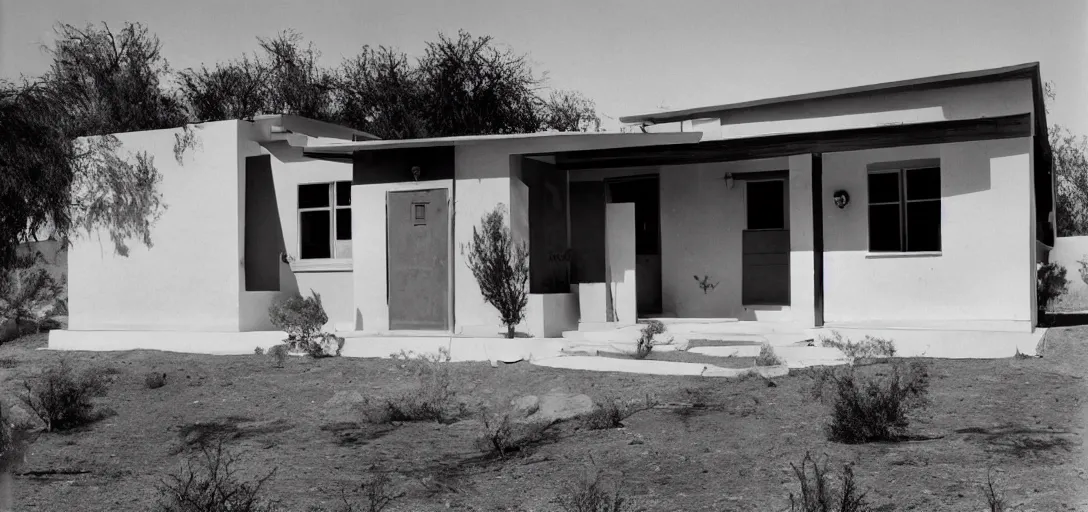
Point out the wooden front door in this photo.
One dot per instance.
(765, 264)
(418, 259)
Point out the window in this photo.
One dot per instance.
(324, 220)
(905, 210)
(765, 202)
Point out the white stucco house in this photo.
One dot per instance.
(919, 206)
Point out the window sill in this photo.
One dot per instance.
(322, 265)
(920, 254)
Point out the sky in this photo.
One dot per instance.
(632, 56)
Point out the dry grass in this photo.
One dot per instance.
(711, 445)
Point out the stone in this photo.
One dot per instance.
(558, 406)
(345, 405)
(525, 406)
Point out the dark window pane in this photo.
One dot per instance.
(313, 196)
(924, 183)
(766, 205)
(343, 224)
(924, 226)
(884, 227)
(883, 187)
(314, 234)
(343, 193)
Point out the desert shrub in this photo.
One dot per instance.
(995, 498)
(1050, 284)
(501, 267)
(868, 347)
(209, 483)
(28, 294)
(378, 492)
(432, 400)
(258, 351)
(646, 338)
(611, 413)
(63, 399)
(302, 318)
(767, 357)
(155, 380)
(818, 493)
(278, 353)
(872, 407)
(502, 437)
(589, 494)
(14, 441)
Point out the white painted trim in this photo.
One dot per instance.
(322, 265)
(919, 254)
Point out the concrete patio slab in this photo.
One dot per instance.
(608, 364)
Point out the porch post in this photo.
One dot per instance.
(818, 239)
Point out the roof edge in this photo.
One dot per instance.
(1027, 70)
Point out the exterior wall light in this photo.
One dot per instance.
(729, 180)
(841, 198)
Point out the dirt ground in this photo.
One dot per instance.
(1023, 417)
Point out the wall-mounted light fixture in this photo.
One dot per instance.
(842, 198)
(416, 171)
(729, 180)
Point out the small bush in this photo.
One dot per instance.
(258, 351)
(869, 408)
(62, 399)
(301, 318)
(501, 268)
(767, 357)
(646, 339)
(995, 498)
(155, 380)
(209, 483)
(432, 400)
(612, 413)
(278, 353)
(869, 347)
(502, 437)
(378, 492)
(818, 494)
(14, 441)
(28, 294)
(590, 495)
(1050, 284)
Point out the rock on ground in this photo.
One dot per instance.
(345, 405)
(559, 406)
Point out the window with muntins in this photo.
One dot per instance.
(905, 210)
(324, 220)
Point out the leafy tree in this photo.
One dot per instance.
(297, 84)
(1070, 159)
(61, 169)
(234, 90)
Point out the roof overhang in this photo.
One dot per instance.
(535, 142)
(292, 124)
(771, 146)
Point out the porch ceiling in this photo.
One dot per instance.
(798, 143)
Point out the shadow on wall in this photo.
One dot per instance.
(966, 168)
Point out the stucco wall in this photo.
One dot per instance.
(702, 221)
(332, 278)
(982, 275)
(189, 279)
(964, 102)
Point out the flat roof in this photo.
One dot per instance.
(1029, 70)
(315, 128)
(599, 138)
